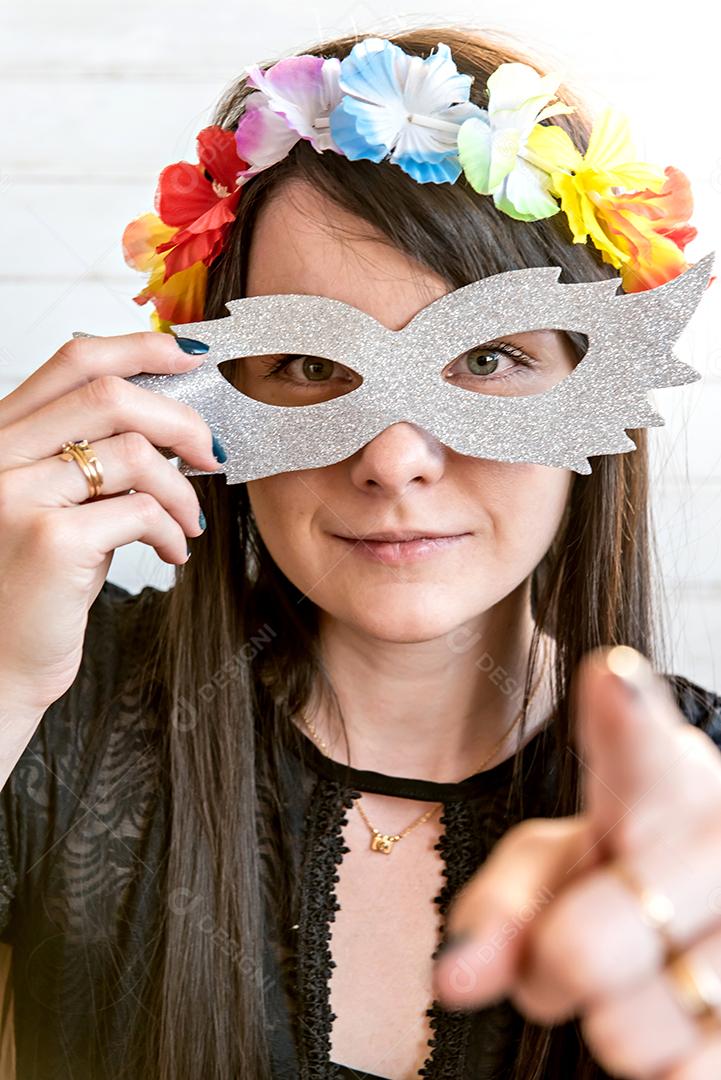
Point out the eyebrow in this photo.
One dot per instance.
(337, 322)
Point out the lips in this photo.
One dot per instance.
(413, 546)
(400, 535)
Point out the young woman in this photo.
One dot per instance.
(234, 815)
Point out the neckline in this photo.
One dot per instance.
(408, 787)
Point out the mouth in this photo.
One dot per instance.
(401, 546)
(399, 536)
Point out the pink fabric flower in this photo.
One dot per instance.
(292, 101)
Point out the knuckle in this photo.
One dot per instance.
(136, 449)
(107, 391)
(146, 507)
(75, 354)
(46, 535)
(627, 833)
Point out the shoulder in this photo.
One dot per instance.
(700, 705)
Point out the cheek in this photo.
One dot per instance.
(273, 502)
(525, 502)
(283, 507)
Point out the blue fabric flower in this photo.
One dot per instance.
(403, 106)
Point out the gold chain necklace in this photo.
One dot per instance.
(384, 842)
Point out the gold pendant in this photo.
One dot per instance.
(381, 842)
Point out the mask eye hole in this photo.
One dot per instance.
(518, 365)
(290, 379)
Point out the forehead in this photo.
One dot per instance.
(304, 243)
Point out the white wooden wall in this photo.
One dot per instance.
(96, 99)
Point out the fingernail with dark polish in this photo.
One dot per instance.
(219, 451)
(201, 520)
(453, 942)
(190, 345)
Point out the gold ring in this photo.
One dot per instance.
(655, 907)
(696, 986)
(83, 453)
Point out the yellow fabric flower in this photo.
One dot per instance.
(583, 182)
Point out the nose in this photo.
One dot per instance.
(400, 455)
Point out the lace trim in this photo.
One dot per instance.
(451, 1029)
(323, 851)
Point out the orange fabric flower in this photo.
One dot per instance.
(181, 298)
(195, 206)
(651, 229)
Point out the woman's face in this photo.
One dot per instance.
(501, 517)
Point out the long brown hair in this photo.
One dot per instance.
(237, 647)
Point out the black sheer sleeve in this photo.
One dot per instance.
(43, 794)
(700, 705)
(8, 874)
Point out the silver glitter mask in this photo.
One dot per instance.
(630, 339)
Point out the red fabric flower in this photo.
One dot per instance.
(200, 200)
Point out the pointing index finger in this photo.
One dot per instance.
(644, 767)
(86, 357)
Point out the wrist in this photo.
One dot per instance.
(19, 705)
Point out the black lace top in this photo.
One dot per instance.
(82, 837)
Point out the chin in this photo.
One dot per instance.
(401, 621)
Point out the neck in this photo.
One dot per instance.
(432, 709)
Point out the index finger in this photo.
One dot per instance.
(645, 768)
(85, 358)
(107, 406)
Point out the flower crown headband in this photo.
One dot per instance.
(381, 103)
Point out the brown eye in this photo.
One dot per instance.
(290, 379)
(312, 369)
(316, 369)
